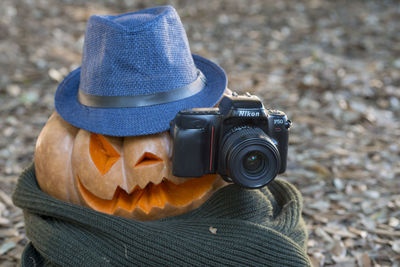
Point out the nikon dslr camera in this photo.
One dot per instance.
(240, 140)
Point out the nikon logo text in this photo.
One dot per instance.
(246, 113)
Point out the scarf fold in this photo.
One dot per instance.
(235, 227)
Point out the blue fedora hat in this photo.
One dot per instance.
(137, 72)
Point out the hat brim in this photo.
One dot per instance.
(140, 120)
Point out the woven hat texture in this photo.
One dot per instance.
(130, 55)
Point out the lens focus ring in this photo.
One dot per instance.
(250, 157)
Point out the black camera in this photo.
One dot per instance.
(240, 140)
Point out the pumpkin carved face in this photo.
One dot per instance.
(125, 176)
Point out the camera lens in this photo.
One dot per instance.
(254, 161)
(250, 157)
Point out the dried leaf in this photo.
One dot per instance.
(320, 205)
(363, 260)
(5, 198)
(213, 230)
(338, 250)
(317, 259)
(361, 233)
(339, 231)
(6, 246)
(326, 237)
(320, 169)
(8, 232)
(396, 246)
(4, 221)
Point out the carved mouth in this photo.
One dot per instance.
(153, 195)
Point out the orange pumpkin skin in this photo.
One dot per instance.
(124, 176)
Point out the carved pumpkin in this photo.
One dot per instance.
(124, 176)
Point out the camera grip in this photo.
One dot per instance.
(278, 129)
(190, 152)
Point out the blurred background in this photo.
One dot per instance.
(332, 66)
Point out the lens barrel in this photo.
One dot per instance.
(251, 158)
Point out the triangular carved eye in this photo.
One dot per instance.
(147, 159)
(102, 152)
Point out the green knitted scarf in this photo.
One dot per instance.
(235, 227)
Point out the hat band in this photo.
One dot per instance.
(144, 100)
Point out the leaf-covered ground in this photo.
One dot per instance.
(332, 66)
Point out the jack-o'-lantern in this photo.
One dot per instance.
(137, 73)
(125, 176)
